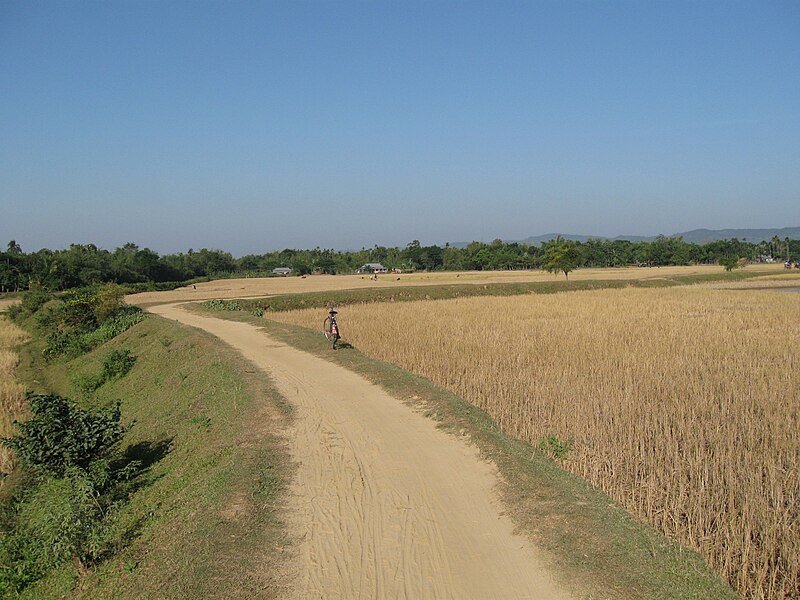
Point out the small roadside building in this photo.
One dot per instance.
(281, 271)
(372, 268)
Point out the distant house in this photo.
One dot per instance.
(372, 268)
(281, 271)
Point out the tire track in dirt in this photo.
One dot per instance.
(384, 505)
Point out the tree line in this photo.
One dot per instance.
(86, 264)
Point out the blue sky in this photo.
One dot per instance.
(253, 126)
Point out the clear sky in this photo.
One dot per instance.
(254, 126)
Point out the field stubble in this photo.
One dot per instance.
(682, 404)
(12, 394)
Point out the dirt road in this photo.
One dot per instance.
(384, 505)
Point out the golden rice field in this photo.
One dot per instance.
(681, 403)
(12, 394)
(790, 279)
(259, 287)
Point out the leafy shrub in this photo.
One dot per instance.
(60, 343)
(67, 511)
(223, 305)
(555, 447)
(730, 262)
(107, 301)
(76, 311)
(34, 299)
(60, 435)
(15, 311)
(113, 327)
(71, 342)
(47, 317)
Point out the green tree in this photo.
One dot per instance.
(561, 255)
(730, 262)
(14, 248)
(413, 254)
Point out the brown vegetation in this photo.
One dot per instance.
(259, 287)
(12, 394)
(681, 403)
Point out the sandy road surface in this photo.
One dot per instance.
(384, 504)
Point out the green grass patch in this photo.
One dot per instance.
(203, 519)
(594, 544)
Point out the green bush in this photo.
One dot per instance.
(61, 343)
(60, 435)
(66, 510)
(223, 305)
(15, 311)
(34, 299)
(76, 311)
(730, 262)
(113, 327)
(555, 447)
(72, 341)
(107, 301)
(47, 317)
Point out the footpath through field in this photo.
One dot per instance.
(384, 505)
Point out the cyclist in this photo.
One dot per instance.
(332, 328)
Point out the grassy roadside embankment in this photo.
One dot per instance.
(204, 517)
(590, 540)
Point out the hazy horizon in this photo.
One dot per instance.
(455, 243)
(255, 126)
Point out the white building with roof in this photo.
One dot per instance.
(372, 268)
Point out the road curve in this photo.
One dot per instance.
(384, 505)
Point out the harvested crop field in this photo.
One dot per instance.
(257, 287)
(12, 393)
(682, 403)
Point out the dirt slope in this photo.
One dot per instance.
(384, 505)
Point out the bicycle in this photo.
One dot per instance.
(330, 328)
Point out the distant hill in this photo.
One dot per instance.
(538, 239)
(695, 236)
(701, 236)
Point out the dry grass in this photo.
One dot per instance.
(258, 287)
(788, 280)
(12, 394)
(683, 404)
